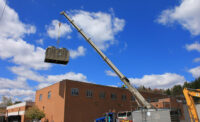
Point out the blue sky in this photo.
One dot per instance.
(153, 43)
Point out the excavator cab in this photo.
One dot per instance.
(56, 55)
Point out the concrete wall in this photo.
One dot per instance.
(198, 109)
(186, 114)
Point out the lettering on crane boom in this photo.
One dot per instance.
(56, 55)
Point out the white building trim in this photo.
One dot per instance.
(20, 105)
(16, 113)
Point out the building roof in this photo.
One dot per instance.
(20, 105)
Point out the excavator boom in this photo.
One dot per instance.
(189, 94)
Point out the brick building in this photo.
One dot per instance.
(73, 101)
(16, 112)
(174, 104)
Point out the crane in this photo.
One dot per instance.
(189, 93)
(140, 99)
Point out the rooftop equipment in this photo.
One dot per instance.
(56, 55)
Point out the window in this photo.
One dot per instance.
(89, 93)
(102, 95)
(129, 114)
(123, 97)
(148, 100)
(49, 94)
(113, 96)
(132, 98)
(40, 98)
(74, 92)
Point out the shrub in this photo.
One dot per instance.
(34, 113)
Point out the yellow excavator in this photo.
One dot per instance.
(189, 94)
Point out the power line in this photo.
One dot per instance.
(3, 10)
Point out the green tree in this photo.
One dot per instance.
(193, 84)
(168, 92)
(177, 90)
(34, 113)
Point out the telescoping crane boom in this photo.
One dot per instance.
(189, 93)
(140, 99)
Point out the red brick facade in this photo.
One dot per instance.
(18, 110)
(62, 103)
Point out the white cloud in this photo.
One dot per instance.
(166, 80)
(69, 75)
(101, 27)
(16, 83)
(50, 79)
(29, 98)
(27, 73)
(113, 86)
(76, 53)
(40, 41)
(22, 53)
(10, 24)
(195, 72)
(17, 92)
(186, 14)
(15, 88)
(13, 47)
(110, 73)
(194, 46)
(42, 85)
(196, 60)
(53, 29)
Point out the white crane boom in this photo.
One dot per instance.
(140, 99)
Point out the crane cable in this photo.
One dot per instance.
(3, 10)
(59, 24)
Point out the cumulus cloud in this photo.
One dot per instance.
(53, 29)
(195, 72)
(40, 41)
(42, 85)
(50, 79)
(16, 83)
(15, 88)
(196, 60)
(22, 53)
(16, 50)
(69, 75)
(13, 47)
(110, 73)
(166, 80)
(27, 73)
(186, 14)
(101, 27)
(17, 92)
(10, 24)
(194, 46)
(23, 72)
(79, 52)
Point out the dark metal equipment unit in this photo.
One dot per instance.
(56, 55)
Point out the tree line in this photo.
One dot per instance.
(176, 90)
